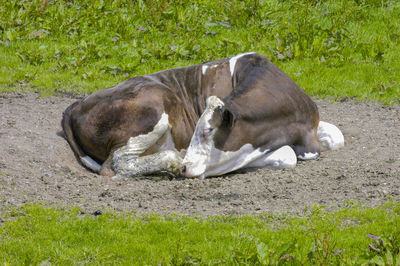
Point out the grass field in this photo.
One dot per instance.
(339, 49)
(354, 235)
(345, 48)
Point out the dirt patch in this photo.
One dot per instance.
(37, 165)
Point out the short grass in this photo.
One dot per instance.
(37, 234)
(335, 48)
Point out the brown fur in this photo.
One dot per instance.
(268, 110)
(105, 120)
(264, 107)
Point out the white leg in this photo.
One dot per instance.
(284, 157)
(330, 137)
(127, 165)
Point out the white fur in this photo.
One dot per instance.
(204, 69)
(139, 144)
(284, 157)
(90, 163)
(233, 60)
(248, 157)
(203, 159)
(308, 156)
(169, 143)
(222, 162)
(197, 155)
(330, 137)
(126, 160)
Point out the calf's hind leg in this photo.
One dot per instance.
(127, 161)
(127, 165)
(308, 148)
(330, 137)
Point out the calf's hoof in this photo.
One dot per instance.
(108, 172)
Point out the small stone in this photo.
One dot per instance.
(48, 175)
(97, 213)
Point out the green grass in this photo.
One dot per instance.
(36, 234)
(335, 48)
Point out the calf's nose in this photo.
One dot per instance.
(185, 171)
(182, 170)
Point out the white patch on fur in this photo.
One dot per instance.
(248, 157)
(222, 162)
(233, 60)
(139, 144)
(203, 159)
(330, 137)
(126, 160)
(90, 163)
(127, 166)
(308, 156)
(204, 69)
(197, 155)
(169, 144)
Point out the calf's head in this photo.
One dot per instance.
(203, 157)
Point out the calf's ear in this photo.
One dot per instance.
(222, 116)
(217, 116)
(228, 118)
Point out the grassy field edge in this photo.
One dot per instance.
(338, 49)
(37, 234)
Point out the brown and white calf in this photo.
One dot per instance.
(229, 114)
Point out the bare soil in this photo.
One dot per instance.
(37, 165)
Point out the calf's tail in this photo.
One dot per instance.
(69, 135)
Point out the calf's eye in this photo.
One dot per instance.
(207, 131)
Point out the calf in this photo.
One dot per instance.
(251, 114)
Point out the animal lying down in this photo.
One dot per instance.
(198, 121)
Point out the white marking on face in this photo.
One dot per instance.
(233, 60)
(203, 159)
(90, 163)
(330, 137)
(308, 156)
(198, 153)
